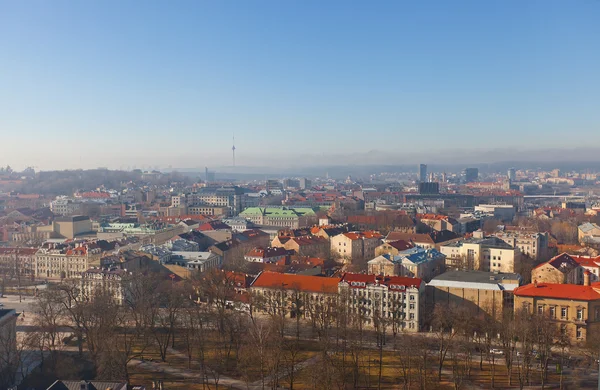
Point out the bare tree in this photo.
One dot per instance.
(442, 324)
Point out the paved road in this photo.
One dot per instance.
(12, 302)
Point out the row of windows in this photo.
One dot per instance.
(564, 312)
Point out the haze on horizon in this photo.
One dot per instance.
(123, 84)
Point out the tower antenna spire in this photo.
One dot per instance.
(233, 150)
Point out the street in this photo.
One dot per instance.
(12, 302)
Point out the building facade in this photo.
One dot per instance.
(575, 309)
(397, 300)
(56, 261)
(489, 254)
(355, 246)
(481, 292)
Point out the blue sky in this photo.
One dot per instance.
(124, 83)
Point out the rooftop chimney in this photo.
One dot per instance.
(586, 278)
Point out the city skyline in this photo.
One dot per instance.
(106, 84)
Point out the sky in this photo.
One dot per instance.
(125, 84)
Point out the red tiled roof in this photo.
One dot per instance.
(586, 261)
(574, 292)
(385, 280)
(358, 235)
(299, 282)
(213, 225)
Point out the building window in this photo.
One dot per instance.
(579, 332)
(580, 314)
(563, 313)
(411, 316)
(552, 311)
(540, 309)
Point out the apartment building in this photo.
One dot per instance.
(393, 248)
(531, 244)
(414, 263)
(280, 293)
(489, 254)
(17, 261)
(60, 261)
(439, 222)
(589, 263)
(230, 197)
(109, 281)
(65, 206)
(395, 299)
(285, 217)
(369, 298)
(355, 246)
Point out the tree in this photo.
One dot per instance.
(11, 354)
(546, 333)
(508, 340)
(442, 324)
(48, 313)
(525, 334)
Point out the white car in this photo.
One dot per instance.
(495, 351)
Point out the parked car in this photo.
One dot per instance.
(496, 351)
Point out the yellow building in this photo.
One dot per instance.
(480, 291)
(575, 308)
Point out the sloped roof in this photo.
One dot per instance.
(562, 262)
(92, 385)
(265, 253)
(419, 255)
(401, 245)
(574, 292)
(300, 282)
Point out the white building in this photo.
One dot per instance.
(396, 299)
(504, 212)
(201, 261)
(489, 254)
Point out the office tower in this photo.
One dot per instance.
(423, 173)
(512, 174)
(471, 174)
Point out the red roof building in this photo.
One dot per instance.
(312, 284)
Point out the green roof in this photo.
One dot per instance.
(278, 211)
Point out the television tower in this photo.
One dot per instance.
(233, 150)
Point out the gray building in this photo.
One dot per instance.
(423, 173)
(471, 175)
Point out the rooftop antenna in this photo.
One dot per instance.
(233, 150)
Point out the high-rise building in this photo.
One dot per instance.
(305, 183)
(423, 173)
(429, 188)
(471, 175)
(512, 174)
